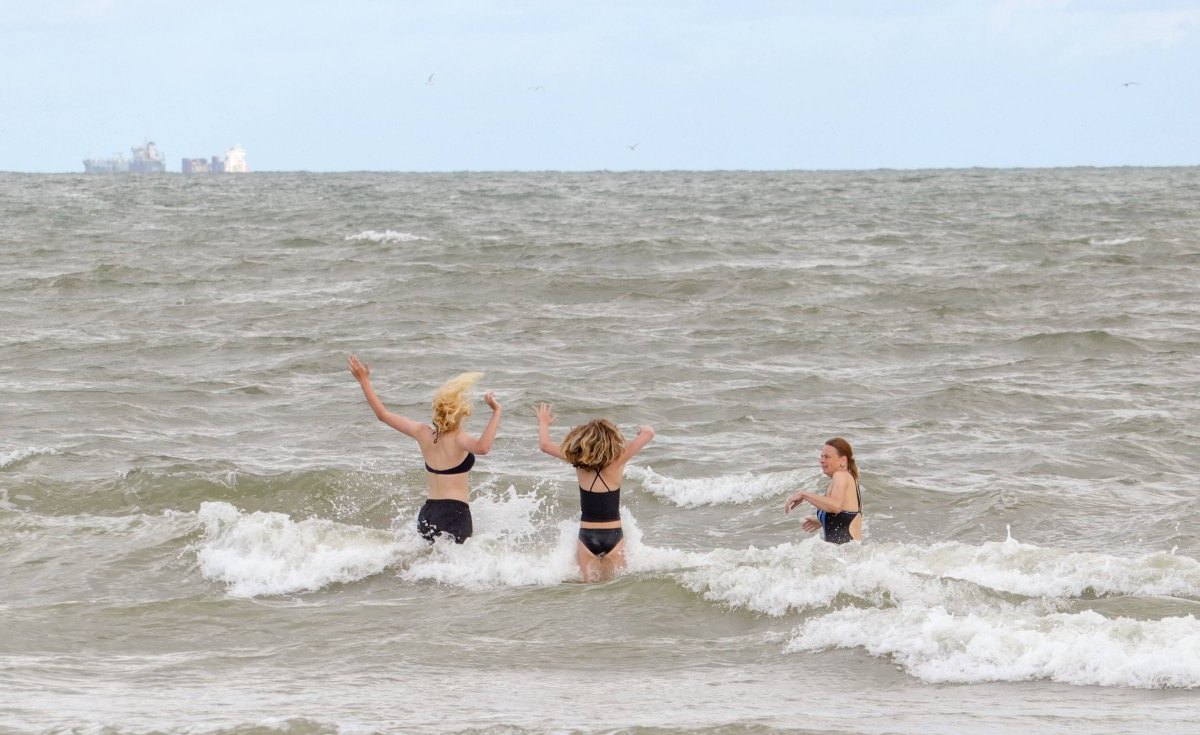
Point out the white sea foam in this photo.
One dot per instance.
(269, 553)
(1115, 240)
(385, 236)
(813, 574)
(1033, 571)
(745, 487)
(1015, 643)
(508, 550)
(20, 455)
(505, 551)
(945, 613)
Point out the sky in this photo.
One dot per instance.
(584, 85)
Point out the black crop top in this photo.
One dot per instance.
(464, 466)
(599, 507)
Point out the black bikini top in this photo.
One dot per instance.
(599, 507)
(464, 466)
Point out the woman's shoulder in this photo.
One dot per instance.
(426, 433)
(843, 477)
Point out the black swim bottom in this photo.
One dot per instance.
(600, 541)
(445, 518)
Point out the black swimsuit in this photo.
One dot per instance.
(837, 525)
(600, 507)
(447, 516)
(464, 466)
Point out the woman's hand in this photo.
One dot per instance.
(810, 524)
(793, 501)
(544, 413)
(490, 399)
(360, 370)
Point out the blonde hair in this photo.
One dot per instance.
(451, 402)
(594, 445)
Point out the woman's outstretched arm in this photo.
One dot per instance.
(362, 373)
(644, 435)
(545, 416)
(483, 444)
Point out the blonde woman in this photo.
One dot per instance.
(448, 450)
(599, 453)
(839, 510)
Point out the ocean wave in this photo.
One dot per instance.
(268, 553)
(812, 575)
(745, 487)
(103, 275)
(1034, 571)
(1096, 342)
(1016, 644)
(162, 484)
(1115, 240)
(956, 613)
(14, 457)
(385, 236)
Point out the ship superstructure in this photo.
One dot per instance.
(233, 162)
(146, 159)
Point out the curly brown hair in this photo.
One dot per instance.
(594, 445)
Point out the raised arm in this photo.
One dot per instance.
(362, 373)
(644, 435)
(483, 444)
(545, 417)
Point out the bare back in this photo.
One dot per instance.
(443, 454)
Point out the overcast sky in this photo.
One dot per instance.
(345, 85)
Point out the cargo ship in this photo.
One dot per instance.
(234, 162)
(146, 160)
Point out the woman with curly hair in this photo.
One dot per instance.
(598, 452)
(839, 510)
(448, 450)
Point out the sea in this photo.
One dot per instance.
(205, 530)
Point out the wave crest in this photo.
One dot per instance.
(387, 236)
(741, 488)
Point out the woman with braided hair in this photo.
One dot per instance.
(448, 450)
(839, 510)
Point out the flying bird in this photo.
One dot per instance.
(429, 81)
(538, 88)
(1129, 84)
(633, 147)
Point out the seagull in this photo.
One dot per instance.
(538, 88)
(1129, 84)
(429, 81)
(633, 147)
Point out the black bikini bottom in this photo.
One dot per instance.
(445, 517)
(600, 541)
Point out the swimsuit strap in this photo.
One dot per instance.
(602, 482)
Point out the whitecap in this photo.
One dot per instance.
(1016, 643)
(20, 455)
(1115, 240)
(267, 553)
(745, 487)
(385, 236)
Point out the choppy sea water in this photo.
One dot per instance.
(204, 530)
